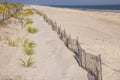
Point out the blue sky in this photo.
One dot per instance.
(68, 2)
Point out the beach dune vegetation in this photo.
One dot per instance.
(28, 51)
(32, 30)
(26, 12)
(28, 21)
(12, 43)
(28, 43)
(27, 63)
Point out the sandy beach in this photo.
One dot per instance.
(98, 33)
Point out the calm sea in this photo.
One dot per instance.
(109, 8)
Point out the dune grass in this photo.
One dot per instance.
(27, 63)
(28, 21)
(28, 51)
(28, 43)
(21, 15)
(28, 46)
(12, 43)
(32, 30)
(26, 12)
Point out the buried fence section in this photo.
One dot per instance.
(89, 62)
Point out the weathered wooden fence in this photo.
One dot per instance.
(6, 14)
(89, 62)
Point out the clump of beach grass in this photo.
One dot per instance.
(28, 22)
(28, 43)
(28, 46)
(27, 63)
(32, 30)
(28, 50)
(12, 43)
(21, 15)
(26, 12)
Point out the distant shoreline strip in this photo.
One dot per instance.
(115, 9)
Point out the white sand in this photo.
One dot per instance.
(52, 60)
(98, 32)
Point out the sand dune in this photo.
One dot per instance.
(52, 60)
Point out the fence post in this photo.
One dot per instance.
(77, 45)
(100, 68)
(64, 37)
(55, 26)
(83, 59)
(80, 53)
(69, 42)
(61, 35)
(58, 32)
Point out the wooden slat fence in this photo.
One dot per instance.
(88, 61)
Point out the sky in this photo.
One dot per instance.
(68, 2)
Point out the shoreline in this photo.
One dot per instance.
(76, 9)
(88, 9)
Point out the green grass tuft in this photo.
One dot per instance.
(26, 12)
(28, 21)
(12, 43)
(28, 46)
(32, 30)
(27, 63)
(28, 43)
(28, 50)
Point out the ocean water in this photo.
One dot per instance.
(109, 8)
